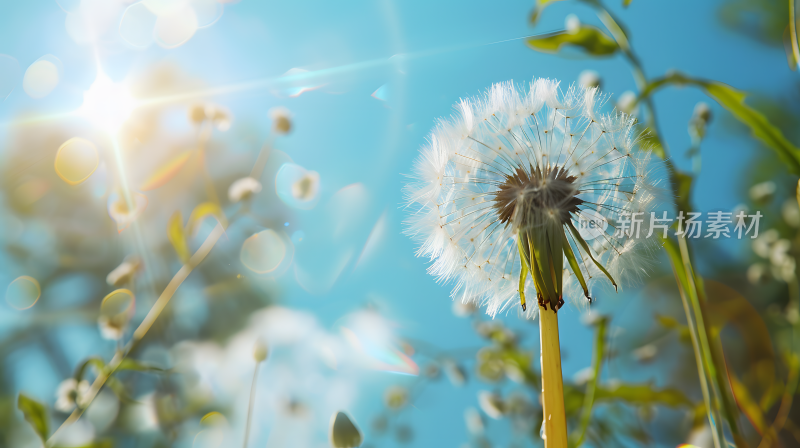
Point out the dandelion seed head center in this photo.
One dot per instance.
(528, 196)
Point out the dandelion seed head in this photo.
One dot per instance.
(529, 159)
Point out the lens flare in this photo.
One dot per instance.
(263, 252)
(379, 356)
(165, 172)
(106, 104)
(76, 160)
(23, 293)
(295, 84)
(297, 187)
(382, 93)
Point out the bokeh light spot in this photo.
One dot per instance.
(41, 77)
(298, 236)
(76, 160)
(207, 11)
(176, 28)
(263, 252)
(9, 75)
(23, 292)
(137, 25)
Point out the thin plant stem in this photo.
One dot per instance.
(771, 436)
(698, 360)
(202, 140)
(793, 30)
(555, 420)
(250, 406)
(140, 332)
(261, 160)
(591, 388)
(698, 333)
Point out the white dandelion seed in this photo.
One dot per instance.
(502, 187)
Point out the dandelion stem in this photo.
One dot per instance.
(555, 421)
(250, 406)
(155, 311)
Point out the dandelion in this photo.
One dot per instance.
(243, 188)
(70, 394)
(534, 181)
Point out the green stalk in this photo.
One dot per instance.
(711, 411)
(713, 356)
(597, 363)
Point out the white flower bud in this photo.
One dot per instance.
(572, 23)
(589, 78)
(260, 351)
(281, 120)
(344, 434)
(492, 404)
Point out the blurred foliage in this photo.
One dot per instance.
(762, 20)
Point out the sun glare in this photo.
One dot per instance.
(107, 104)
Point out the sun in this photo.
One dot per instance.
(107, 104)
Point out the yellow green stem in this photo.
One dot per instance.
(555, 420)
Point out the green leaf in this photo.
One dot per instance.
(539, 8)
(201, 212)
(107, 443)
(35, 413)
(131, 364)
(177, 236)
(642, 394)
(576, 269)
(733, 101)
(590, 39)
(94, 361)
(626, 3)
(119, 390)
(579, 239)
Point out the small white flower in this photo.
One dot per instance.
(281, 120)
(243, 188)
(71, 393)
(762, 192)
(110, 328)
(511, 175)
(306, 188)
(123, 273)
